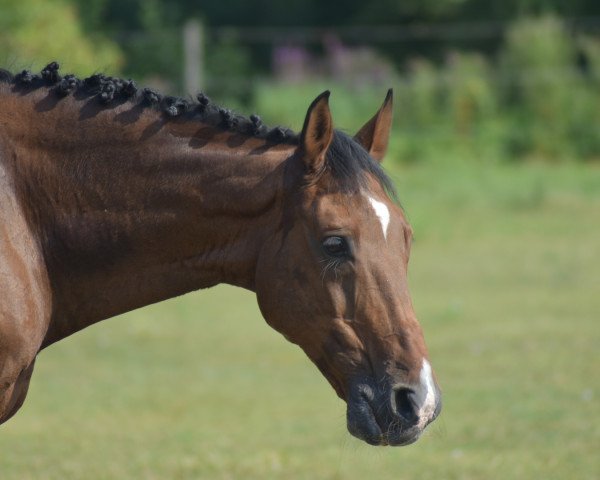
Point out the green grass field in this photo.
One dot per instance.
(505, 275)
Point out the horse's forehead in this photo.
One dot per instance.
(333, 207)
(364, 207)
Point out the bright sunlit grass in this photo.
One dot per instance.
(505, 275)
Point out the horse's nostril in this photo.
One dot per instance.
(404, 406)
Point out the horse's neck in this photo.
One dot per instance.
(132, 214)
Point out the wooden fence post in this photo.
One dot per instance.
(193, 56)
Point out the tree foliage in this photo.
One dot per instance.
(35, 32)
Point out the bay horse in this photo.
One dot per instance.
(114, 197)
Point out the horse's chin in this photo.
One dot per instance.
(370, 418)
(363, 424)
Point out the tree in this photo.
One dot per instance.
(35, 32)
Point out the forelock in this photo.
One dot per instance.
(351, 165)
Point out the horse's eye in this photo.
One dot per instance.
(336, 246)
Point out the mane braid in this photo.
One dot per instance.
(112, 90)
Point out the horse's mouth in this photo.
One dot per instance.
(374, 419)
(363, 423)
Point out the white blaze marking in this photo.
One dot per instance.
(382, 213)
(428, 408)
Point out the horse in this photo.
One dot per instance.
(113, 197)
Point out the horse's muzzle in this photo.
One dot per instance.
(391, 415)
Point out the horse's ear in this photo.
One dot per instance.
(317, 132)
(375, 134)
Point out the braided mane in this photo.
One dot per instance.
(113, 91)
(347, 161)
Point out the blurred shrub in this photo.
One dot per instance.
(538, 72)
(470, 96)
(448, 111)
(419, 112)
(229, 71)
(35, 32)
(585, 124)
(474, 107)
(541, 100)
(421, 95)
(154, 53)
(155, 59)
(552, 102)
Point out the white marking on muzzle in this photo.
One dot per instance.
(428, 408)
(382, 213)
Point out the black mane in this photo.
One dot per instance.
(347, 160)
(113, 90)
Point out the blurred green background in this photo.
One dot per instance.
(495, 153)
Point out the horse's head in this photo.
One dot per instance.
(333, 279)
